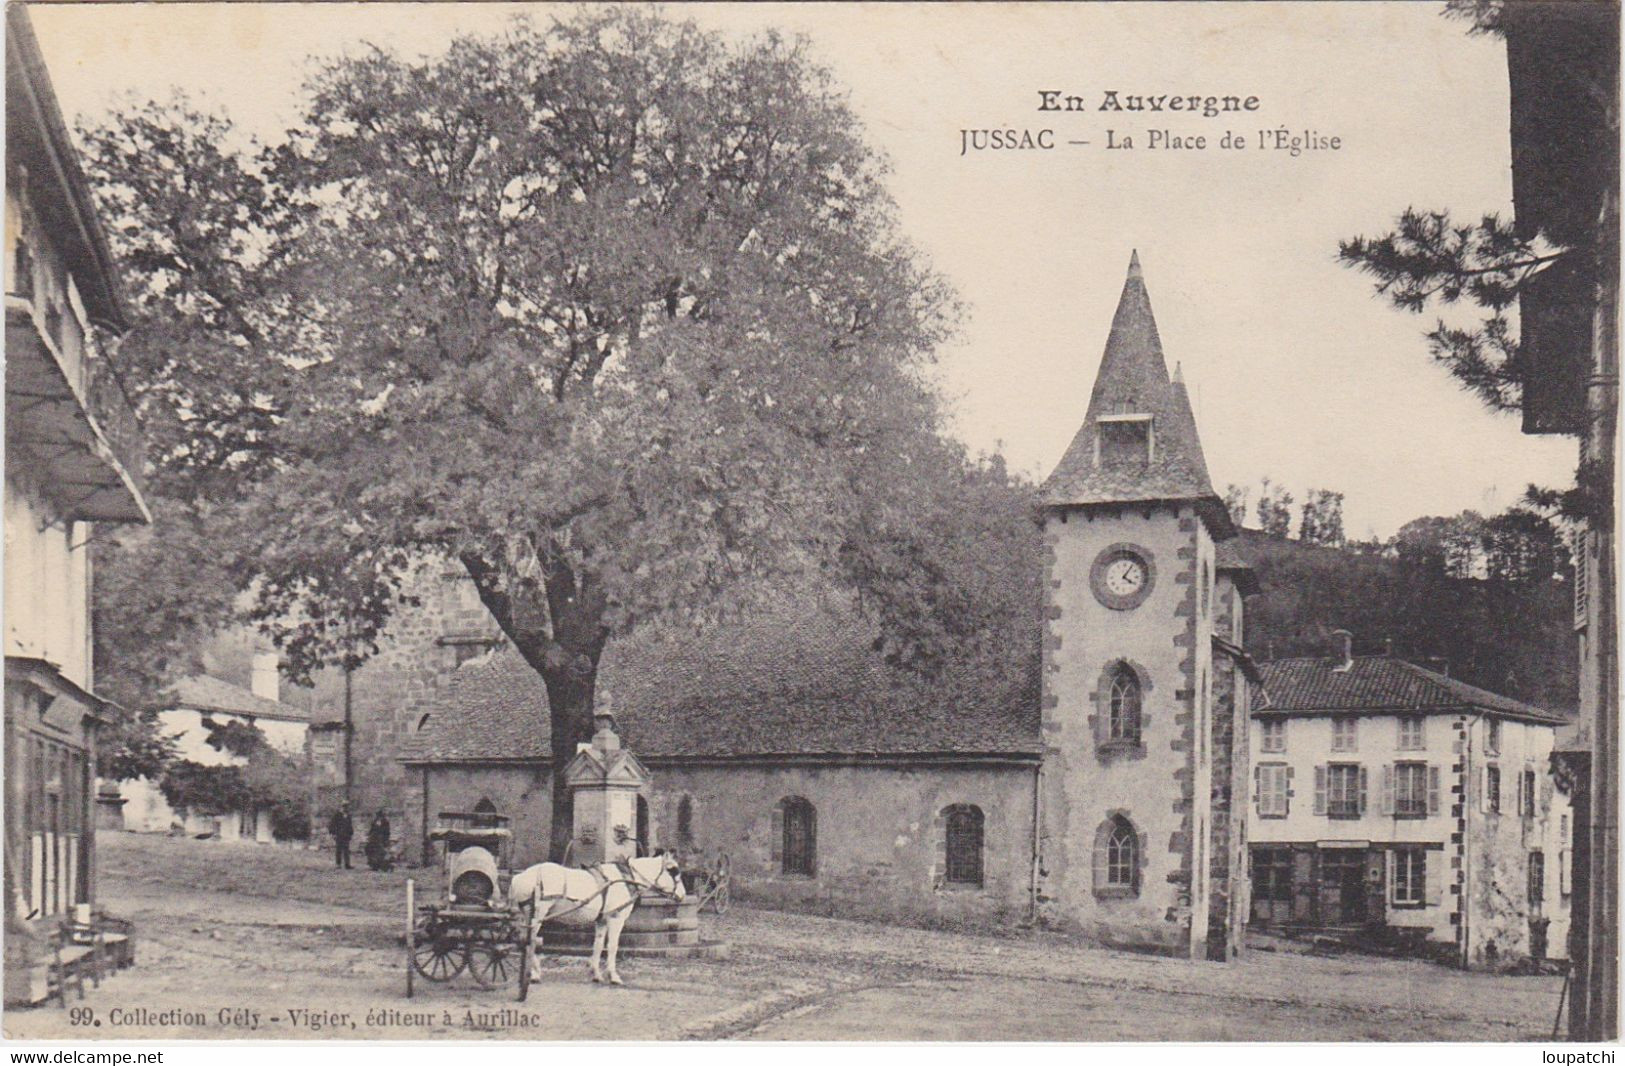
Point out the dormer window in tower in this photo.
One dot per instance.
(1124, 440)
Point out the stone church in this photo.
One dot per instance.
(1096, 797)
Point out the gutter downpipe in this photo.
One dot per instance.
(1032, 886)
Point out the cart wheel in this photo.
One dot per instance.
(491, 963)
(527, 956)
(527, 939)
(437, 957)
(411, 934)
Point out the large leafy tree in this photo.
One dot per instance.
(613, 312)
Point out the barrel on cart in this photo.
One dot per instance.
(472, 928)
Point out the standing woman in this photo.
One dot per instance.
(378, 842)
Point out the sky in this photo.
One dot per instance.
(1297, 372)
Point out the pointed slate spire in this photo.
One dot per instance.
(1134, 396)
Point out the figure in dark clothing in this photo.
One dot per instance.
(342, 830)
(378, 857)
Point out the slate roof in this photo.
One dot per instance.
(494, 710)
(1133, 379)
(1228, 560)
(202, 692)
(783, 684)
(1381, 685)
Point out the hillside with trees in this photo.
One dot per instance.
(1487, 598)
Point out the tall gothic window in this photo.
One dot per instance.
(963, 861)
(1123, 702)
(1117, 858)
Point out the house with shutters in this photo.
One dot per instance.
(1387, 796)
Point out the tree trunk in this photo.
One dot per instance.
(570, 701)
(558, 629)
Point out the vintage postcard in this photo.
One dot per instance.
(811, 522)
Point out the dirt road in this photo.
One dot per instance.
(239, 940)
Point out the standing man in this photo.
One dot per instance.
(341, 829)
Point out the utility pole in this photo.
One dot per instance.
(349, 721)
(349, 731)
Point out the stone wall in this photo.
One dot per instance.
(1232, 773)
(1500, 839)
(1161, 785)
(390, 695)
(522, 792)
(879, 831)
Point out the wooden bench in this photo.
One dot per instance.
(95, 949)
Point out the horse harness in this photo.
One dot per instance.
(627, 877)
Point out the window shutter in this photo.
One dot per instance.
(1393, 874)
(1582, 542)
(1258, 790)
(1362, 790)
(1433, 875)
(1484, 789)
(1387, 789)
(812, 844)
(1433, 790)
(1101, 837)
(775, 838)
(1286, 790)
(1320, 790)
(1563, 871)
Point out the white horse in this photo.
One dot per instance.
(603, 895)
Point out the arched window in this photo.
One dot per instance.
(685, 823)
(1123, 704)
(1117, 858)
(797, 836)
(962, 834)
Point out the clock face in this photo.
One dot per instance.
(1125, 576)
(1122, 576)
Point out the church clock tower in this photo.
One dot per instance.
(1130, 526)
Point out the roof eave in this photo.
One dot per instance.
(103, 296)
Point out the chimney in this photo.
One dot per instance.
(1342, 651)
(1437, 663)
(263, 680)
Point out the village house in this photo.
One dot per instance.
(1094, 793)
(202, 705)
(1390, 797)
(72, 460)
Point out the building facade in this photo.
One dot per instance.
(1391, 802)
(201, 704)
(72, 460)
